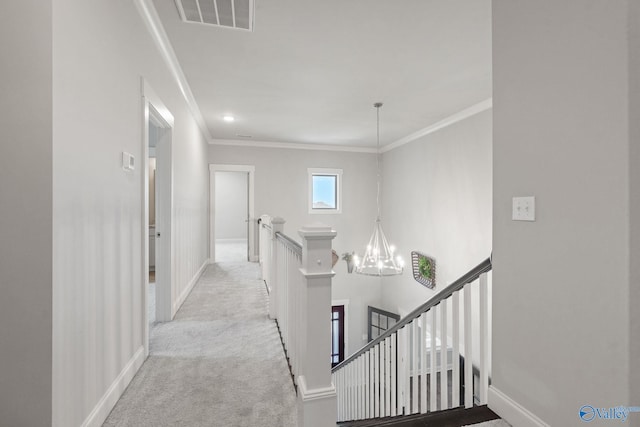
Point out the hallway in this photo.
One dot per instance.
(218, 363)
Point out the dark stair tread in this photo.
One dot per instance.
(450, 418)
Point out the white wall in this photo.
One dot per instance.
(25, 213)
(634, 137)
(437, 200)
(281, 190)
(100, 51)
(561, 133)
(231, 205)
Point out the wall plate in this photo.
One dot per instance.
(128, 161)
(524, 209)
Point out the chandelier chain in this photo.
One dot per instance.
(378, 105)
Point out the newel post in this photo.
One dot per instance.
(277, 226)
(317, 403)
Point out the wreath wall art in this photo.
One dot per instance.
(424, 269)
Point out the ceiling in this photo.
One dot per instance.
(312, 70)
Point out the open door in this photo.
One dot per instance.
(157, 134)
(163, 226)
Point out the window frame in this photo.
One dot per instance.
(379, 312)
(325, 172)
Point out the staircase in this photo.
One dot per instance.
(450, 418)
(433, 363)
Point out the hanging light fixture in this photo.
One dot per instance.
(380, 258)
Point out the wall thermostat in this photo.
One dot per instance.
(128, 161)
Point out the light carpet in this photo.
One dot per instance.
(231, 251)
(218, 363)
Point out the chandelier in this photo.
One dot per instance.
(379, 259)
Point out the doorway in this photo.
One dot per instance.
(339, 331)
(232, 224)
(160, 208)
(157, 239)
(337, 334)
(232, 216)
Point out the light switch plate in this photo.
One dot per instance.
(128, 161)
(524, 209)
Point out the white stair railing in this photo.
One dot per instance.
(433, 359)
(298, 277)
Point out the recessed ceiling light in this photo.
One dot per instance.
(228, 118)
(244, 136)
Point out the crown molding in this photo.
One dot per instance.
(292, 145)
(485, 105)
(156, 29)
(158, 34)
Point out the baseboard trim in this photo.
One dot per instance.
(307, 394)
(183, 296)
(101, 411)
(511, 411)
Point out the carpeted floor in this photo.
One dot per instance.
(218, 363)
(227, 251)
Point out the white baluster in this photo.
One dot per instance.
(347, 393)
(414, 367)
(394, 367)
(359, 393)
(282, 291)
(407, 371)
(444, 382)
(423, 364)
(299, 302)
(433, 385)
(376, 379)
(335, 377)
(342, 394)
(372, 382)
(455, 351)
(285, 281)
(363, 389)
(387, 377)
(352, 399)
(484, 339)
(367, 384)
(400, 362)
(468, 353)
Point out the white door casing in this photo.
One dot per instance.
(250, 169)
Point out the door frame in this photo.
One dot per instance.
(153, 109)
(251, 238)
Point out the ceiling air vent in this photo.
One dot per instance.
(224, 13)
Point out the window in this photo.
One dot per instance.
(325, 191)
(380, 321)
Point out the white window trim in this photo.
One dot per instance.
(325, 171)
